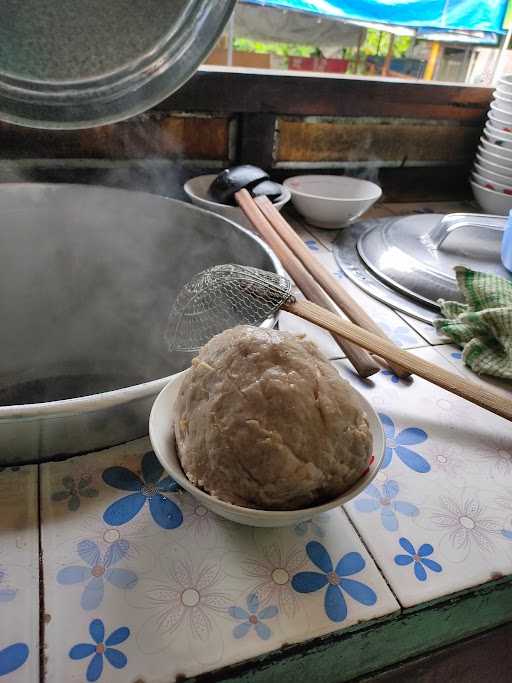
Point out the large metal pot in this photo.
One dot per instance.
(87, 279)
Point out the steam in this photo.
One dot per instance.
(89, 274)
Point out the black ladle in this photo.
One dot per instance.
(251, 178)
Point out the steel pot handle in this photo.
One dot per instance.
(453, 221)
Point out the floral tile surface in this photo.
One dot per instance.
(394, 326)
(291, 323)
(424, 329)
(438, 517)
(327, 237)
(19, 575)
(142, 581)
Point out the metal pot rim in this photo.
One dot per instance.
(94, 402)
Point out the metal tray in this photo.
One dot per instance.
(416, 255)
(349, 261)
(75, 64)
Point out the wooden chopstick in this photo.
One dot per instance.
(341, 298)
(459, 386)
(360, 359)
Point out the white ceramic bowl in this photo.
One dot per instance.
(499, 121)
(491, 176)
(501, 149)
(496, 203)
(497, 159)
(492, 184)
(503, 102)
(161, 432)
(505, 86)
(495, 168)
(331, 201)
(196, 190)
(500, 142)
(500, 113)
(504, 90)
(497, 134)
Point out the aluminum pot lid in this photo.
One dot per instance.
(351, 265)
(416, 254)
(81, 63)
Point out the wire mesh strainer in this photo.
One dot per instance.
(222, 297)
(229, 295)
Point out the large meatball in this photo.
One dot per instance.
(263, 420)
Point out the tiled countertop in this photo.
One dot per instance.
(94, 586)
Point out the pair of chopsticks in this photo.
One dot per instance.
(312, 278)
(352, 336)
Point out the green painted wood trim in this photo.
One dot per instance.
(373, 646)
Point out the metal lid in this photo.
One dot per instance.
(74, 64)
(416, 254)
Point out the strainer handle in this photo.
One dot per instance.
(453, 221)
(456, 384)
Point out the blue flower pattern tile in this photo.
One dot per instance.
(148, 489)
(328, 593)
(72, 492)
(101, 649)
(398, 444)
(312, 526)
(420, 559)
(7, 593)
(253, 618)
(335, 580)
(391, 376)
(97, 570)
(13, 657)
(402, 335)
(384, 501)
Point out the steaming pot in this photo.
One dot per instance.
(87, 279)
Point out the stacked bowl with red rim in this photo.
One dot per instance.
(491, 179)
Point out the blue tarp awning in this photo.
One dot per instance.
(466, 15)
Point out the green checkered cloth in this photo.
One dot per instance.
(483, 325)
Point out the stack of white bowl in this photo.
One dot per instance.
(491, 179)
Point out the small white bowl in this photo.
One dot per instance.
(498, 159)
(494, 168)
(506, 80)
(501, 149)
(503, 102)
(161, 432)
(496, 203)
(197, 188)
(504, 90)
(500, 142)
(500, 113)
(498, 119)
(500, 133)
(505, 86)
(332, 201)
(492, 184)
(491, 176)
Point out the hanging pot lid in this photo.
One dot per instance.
(76, 63)
(416, 254)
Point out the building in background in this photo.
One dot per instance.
(440, 40)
